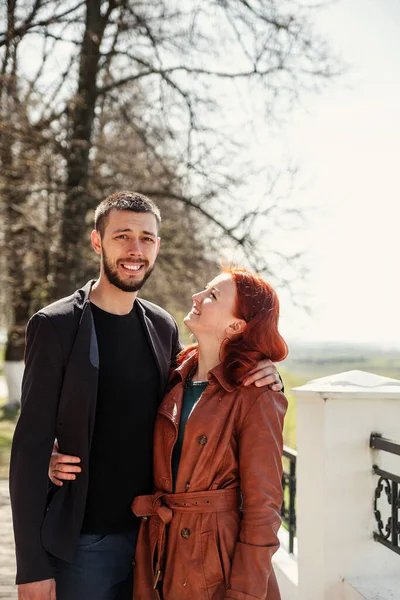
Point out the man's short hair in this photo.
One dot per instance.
(124, 200)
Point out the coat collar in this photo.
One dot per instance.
(215, 376)
(81, 296)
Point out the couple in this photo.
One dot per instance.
(97, 366)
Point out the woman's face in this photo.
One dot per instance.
(212, 313)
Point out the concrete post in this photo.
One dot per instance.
(335, 482)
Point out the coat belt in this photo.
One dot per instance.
(163, 505)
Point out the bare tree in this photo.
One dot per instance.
(12, 147)
(99, 95)
(186, 57)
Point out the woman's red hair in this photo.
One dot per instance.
(256, 303)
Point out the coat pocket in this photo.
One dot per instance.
(210, 553)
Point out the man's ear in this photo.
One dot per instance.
(236, 327)
(96, 241)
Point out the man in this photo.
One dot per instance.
(96, 366)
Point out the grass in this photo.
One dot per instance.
(289, 431)
(6, 433)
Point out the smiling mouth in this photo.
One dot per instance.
(195, 311)
(132, 267)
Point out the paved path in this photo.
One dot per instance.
(7, 558)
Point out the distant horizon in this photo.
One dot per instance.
(392, 344)
(387, 344)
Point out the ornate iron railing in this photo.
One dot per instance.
(388, 485)
(288, 510)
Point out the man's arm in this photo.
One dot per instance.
(265, 373)
(31, 450)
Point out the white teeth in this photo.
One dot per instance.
(132, 267)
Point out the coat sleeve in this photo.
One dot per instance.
(32, 446)
(260, 446)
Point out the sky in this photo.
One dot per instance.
(347, 144)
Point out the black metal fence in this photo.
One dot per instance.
(388, 487)
(288, 510)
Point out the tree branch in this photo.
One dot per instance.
(190, 70)
(27, 26)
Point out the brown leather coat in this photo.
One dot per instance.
(214, 538)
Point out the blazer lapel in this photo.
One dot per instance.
(79, 392)
(156, 346)
(86, 333)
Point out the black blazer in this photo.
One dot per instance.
(59, 392)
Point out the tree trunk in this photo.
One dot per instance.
(69, 269)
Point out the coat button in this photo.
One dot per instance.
(185, 533)
(202, 440)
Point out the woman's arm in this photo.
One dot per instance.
(260, 445)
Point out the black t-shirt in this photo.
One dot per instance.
(121, 456)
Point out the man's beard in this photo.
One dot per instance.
(111, 272)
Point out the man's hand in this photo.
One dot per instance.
(63, 467)
(264, 373)
(37, 590)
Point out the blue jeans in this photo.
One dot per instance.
(100, 570)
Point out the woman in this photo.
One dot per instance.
(210, 529)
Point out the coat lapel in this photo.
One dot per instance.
(171, 406)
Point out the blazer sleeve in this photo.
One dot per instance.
(260, 446)
(176, 348)
(32, 446)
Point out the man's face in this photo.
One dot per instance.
(129, 248)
